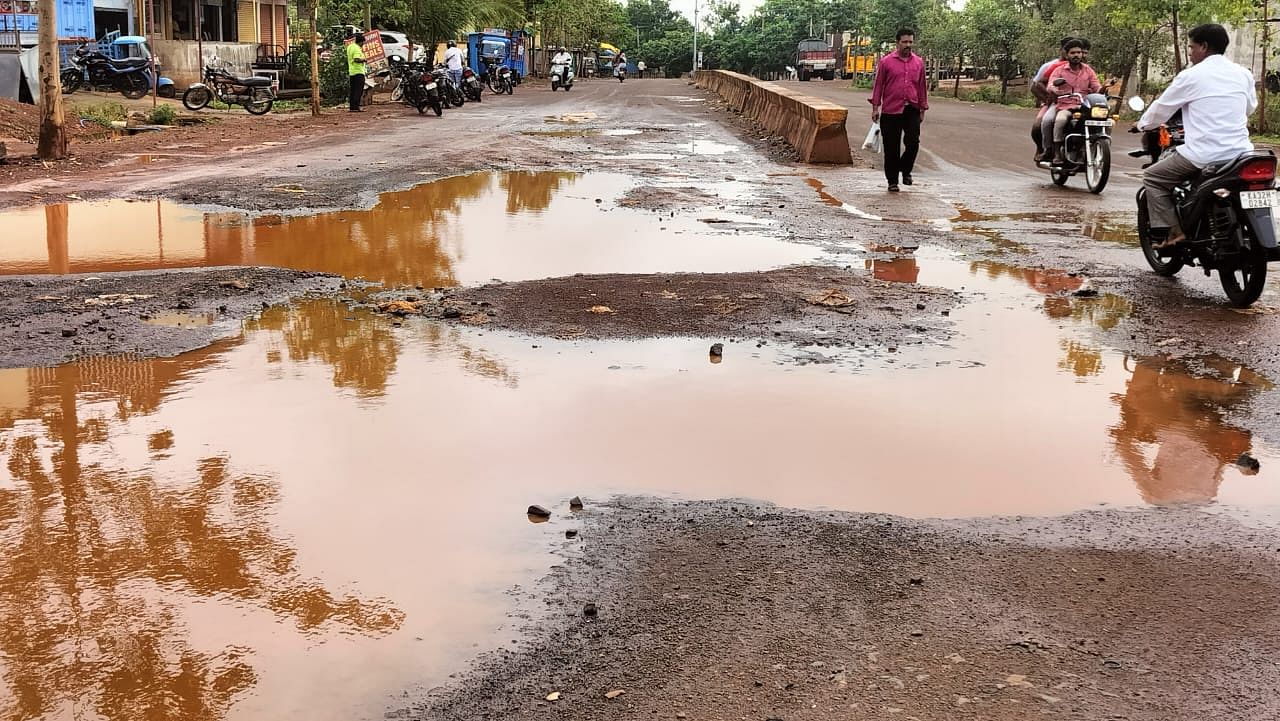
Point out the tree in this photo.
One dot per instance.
(1169, 15)
(53, 133)
(997, 40)
(946, 35)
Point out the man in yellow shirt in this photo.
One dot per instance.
(355, 69)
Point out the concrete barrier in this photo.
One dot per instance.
(814, 127)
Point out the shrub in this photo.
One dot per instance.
(162, 115)
(103, 113)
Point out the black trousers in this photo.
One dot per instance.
(901, 136)
(357, 91)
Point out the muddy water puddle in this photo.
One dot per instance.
(307, 520)
(460, 230)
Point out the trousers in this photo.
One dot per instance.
(357, 91)
(901, 135)
(1159, 181)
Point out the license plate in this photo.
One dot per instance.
(1100, 123)
(429, 86)
(1259, 199)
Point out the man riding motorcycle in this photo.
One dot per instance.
(1039, 89)
(1066, 81)
(1216, 97)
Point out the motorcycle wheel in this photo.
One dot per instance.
(1244, 283)
(196, 98)
(134, 86)
(437, 107)
(260, 104)
(421, 107)
(1059, 176)
(70, 80)
(397, 93)
(509, 87)
(1098, 172)
(1167, 267)
(456, 98)
(554, 85)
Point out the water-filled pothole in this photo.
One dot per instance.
(459, 230)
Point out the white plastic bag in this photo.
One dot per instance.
(873, 141)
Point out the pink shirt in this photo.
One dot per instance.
(900, 82)
(1081, 81)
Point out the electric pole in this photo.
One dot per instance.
(53, 133)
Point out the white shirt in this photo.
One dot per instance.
(453, 58)
(562, 59)
(1216, 97)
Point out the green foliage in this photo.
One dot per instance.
(334, 83)
(162, 115)
(103, 113)
(998, 41)
(991, 93)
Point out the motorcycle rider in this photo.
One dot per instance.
(1074, 77)
(620, 64)
(1216, 97)
(565, 58)
(453, 63)
(1039, 89)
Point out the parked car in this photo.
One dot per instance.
(397, 44)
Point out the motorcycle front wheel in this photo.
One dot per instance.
(196, 98)
(1097, 169)
(437, 107)
(1059, 176)
(70, 80)
(260, 104)
(508, 86)
(1167, 267)
(1245, 283)
(134, 86)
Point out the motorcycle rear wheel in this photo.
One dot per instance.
(1098, 172)
(1244, 284)
(196, 98)
(71, 80)
(134, 86)
(260, 104)
(1167, 267)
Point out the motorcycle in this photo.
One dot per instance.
(1158, 141)
(449, 91)
(1087, 142)
(561, 77)
(1226, 214)
(622, 73)
(499, 78)
(130, 77)
(417, 87)
(471, 85)
(253, 92)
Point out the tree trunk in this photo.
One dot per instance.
(955, 90)
(53, 134)
(1004, 88)
(1143, 72)
(1177, 46)
(315, 58)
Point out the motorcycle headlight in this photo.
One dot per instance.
(1099, 111)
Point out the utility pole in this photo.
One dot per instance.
(1266, 50)
(53, 133)
(695, 39)
(315, 58)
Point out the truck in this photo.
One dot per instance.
(815, 58)
(857, 59)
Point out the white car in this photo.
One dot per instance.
(397, 44)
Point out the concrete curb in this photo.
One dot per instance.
(814, 127)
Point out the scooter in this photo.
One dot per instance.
(622, 73)
(1226, 214)
(561, 77)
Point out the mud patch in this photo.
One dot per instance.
(791, 304)
(735, 610)
(46, 320)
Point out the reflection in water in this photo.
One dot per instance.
(1172, 437)
(356, 344)
(1041, 280)
(102, 559)
(898, 269)
(1105, 310)
(1099, 228)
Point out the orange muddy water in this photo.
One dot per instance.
(310, 519)
(460, 230)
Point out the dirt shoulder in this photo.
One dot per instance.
(51, 319)
(724, 610)
(803, 305)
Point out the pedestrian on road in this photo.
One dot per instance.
(355, 69)
(453, 63)
(899, 99)
(640, 69)
(1216, 98)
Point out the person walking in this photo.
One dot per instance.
(640, 69)
(899, 99)
(355, 69)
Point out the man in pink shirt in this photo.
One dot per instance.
(1074, 77)
(899, 98)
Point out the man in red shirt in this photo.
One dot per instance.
(899, 98)
(1075, 77)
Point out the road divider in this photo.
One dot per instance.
(814, 127)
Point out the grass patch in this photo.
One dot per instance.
(292, 105)
(162, 115)
(103, 113)
(1267, 139)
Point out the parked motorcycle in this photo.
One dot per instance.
(472, 86)
(1087, 142)
(561, 77)
(417, 87)
(1226, 214)
(499, 78)
(449, 91)
(130, 77)
(253, 92)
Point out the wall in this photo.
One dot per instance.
(181, 58)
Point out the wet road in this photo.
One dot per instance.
(328, 510)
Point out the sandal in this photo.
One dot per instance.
(1169, 242)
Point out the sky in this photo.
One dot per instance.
(746, 7)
